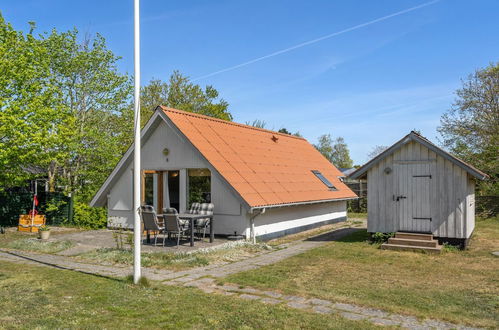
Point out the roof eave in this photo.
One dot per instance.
(362, 171)
(254, 208)
(100, 196)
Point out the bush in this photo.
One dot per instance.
(89, 217)
(357, 205)
(379, 238)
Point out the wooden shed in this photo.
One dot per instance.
(421, 192)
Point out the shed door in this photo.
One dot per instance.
(413, 199)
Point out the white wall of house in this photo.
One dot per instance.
(291, 219)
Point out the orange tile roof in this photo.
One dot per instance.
(264, 167)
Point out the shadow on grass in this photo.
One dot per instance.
(357, 237)
(348, 235)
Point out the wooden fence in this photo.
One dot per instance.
(360, 188)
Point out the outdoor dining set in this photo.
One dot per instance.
(171, 224)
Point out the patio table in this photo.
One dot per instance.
(192, 217)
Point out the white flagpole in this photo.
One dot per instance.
(137, 228)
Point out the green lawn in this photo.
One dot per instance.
(456, 286)
(46, 298)
(353, 215)
(11, 236)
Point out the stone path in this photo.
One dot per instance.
(349, 311)
(204, 278)
(215, 270)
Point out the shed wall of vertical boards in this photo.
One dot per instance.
(452, 199)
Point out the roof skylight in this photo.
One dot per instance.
(324, 180)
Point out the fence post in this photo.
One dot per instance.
(70, 208)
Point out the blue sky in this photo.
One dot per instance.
(371, 85)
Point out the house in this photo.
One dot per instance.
(262, 183)
(347, 171)
(416, 187)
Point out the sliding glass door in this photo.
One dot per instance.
(173, 191)
(164, 188)
(161, 189)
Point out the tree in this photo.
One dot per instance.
(96, 97)
(285, 131)
(325, 146)
(30, 118)
(63, 106)
(180, 93)
(341, 154)
(257, 123)
(375, 151)
(336, 151)
(470, 128)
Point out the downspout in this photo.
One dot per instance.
(252, 225)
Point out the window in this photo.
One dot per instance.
(324, 180)
(199, 186)
(148, 189)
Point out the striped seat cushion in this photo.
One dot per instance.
(205, 208)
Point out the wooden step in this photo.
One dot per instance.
(421, 237)
(412, 242)
(427, 249)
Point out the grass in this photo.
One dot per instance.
(37, 245)
(353, 215)
(456, 286)
(47, 298)
(228, 252)
(11, 236)
(14, 239)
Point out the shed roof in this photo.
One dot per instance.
(265, 168)
(413, 136)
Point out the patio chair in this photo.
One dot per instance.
(172, 210)
(194, 208)
(151, 223)
(204, 223)
(173, 223)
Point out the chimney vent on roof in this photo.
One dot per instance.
(274, 138)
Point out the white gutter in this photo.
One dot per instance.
(253, 209)
(252, 225)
